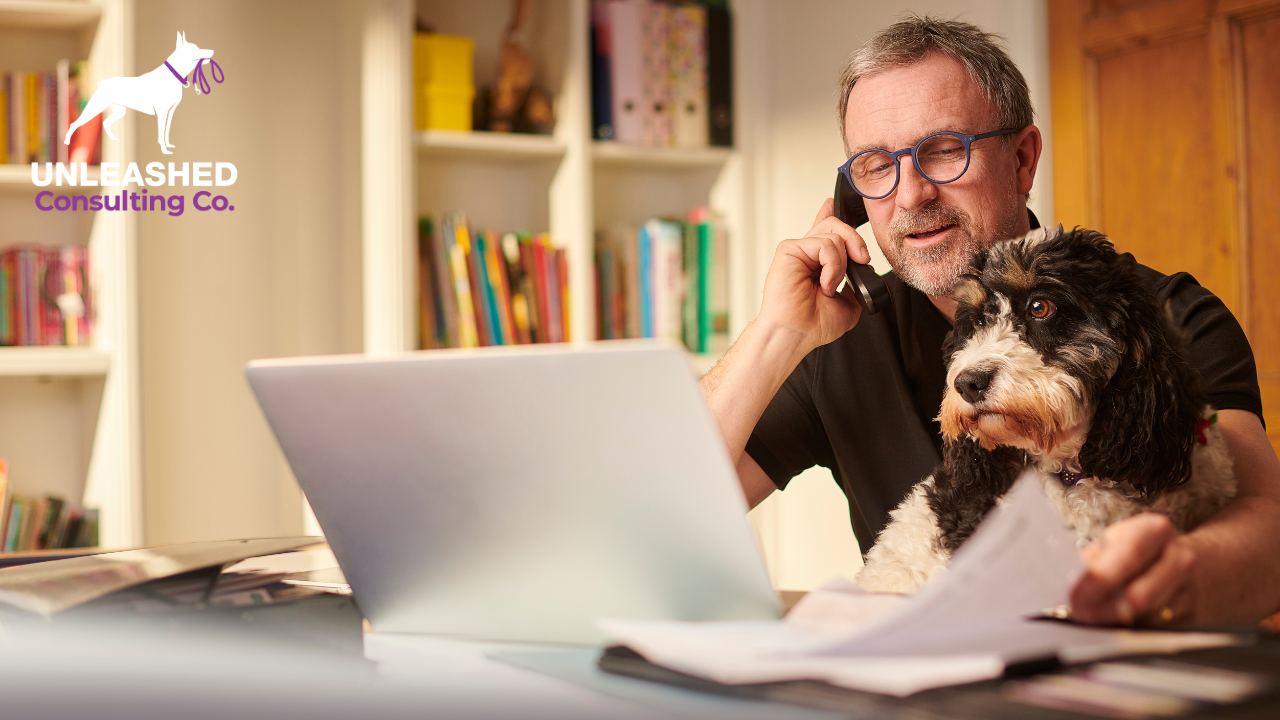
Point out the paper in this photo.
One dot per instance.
(48, 587)
(963, 627)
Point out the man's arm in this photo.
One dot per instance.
(799, 312)
(1227, 570)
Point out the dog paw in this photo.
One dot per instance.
(165, 150)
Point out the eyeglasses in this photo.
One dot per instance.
(941, 158)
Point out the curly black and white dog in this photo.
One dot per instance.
(1061, 359)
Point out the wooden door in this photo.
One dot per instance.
(1166, 124)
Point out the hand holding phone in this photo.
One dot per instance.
(861, 283)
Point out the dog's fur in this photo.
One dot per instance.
(1098, 385)
(155, 93)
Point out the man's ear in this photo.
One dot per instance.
(1027, 146)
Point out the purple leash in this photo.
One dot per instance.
(202, 84)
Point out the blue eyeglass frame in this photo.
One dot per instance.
(897, 167)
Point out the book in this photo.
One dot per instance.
(429, 319)
(562, 276)
(666, 278)
(455, 233)
(478, 284)
(44, 296)
(494, 288)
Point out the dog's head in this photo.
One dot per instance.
(189, 51)
(1060, 349)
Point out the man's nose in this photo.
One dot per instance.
(914, 190)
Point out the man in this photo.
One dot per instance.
(811, 382)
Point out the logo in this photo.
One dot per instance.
(155, 93)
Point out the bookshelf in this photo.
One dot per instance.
(565, 182)
(69, 415)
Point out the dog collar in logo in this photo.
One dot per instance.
(175, 74)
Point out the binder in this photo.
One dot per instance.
(601, 95)
(625, 21)
(720, 75)
(689, 70)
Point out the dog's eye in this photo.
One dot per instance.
(979, 321)
(1040, 309)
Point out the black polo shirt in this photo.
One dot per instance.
(863, 405)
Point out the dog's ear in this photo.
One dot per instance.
(969, 291)
(1144, 425)
(178, 45)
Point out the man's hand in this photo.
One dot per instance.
(800, 289)
(800, 311)
(1226, 571)
(1141, 570)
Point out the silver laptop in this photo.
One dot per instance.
(518, 493)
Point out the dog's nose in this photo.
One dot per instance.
(972, 384)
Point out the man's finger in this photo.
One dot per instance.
(831, 254)
(1160, 594)
(827, 210)
(855, 246)
(1125, 550)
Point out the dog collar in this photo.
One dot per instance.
(1070, 474)
(175, 74)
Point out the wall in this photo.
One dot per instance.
(805, 531)
(278, 276)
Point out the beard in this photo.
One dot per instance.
(936, 269)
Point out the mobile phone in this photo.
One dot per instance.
(861, 282)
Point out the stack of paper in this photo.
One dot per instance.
(966, 626)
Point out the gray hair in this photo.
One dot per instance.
(909, 40)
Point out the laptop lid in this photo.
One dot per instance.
(517, 493)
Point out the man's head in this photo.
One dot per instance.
(922, 76)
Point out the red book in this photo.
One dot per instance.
(546, 333)
(562, 276)
(51, 286)
(529, 286)
(84, 142)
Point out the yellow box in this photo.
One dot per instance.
(437, 108)
(443, 81)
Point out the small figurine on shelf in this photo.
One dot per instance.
(513, 104)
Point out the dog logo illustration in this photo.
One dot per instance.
(155, 93)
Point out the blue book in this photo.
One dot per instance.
(484, 294)
(646, 282)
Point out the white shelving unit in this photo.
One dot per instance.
(565, 182)
(69, 416)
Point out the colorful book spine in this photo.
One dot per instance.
(501, 289)
(479, 292)
(458, 247)
(562, 276)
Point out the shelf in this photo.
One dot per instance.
(488, 145)
(18, 177)
(53, 361)
(618, 154)
(47, 15)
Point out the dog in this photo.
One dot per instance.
(1061, 359)
(155, 93)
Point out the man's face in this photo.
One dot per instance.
(930, 232)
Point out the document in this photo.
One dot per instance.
(965, 626)
(49, 587)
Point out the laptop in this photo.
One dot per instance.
(517, 493)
